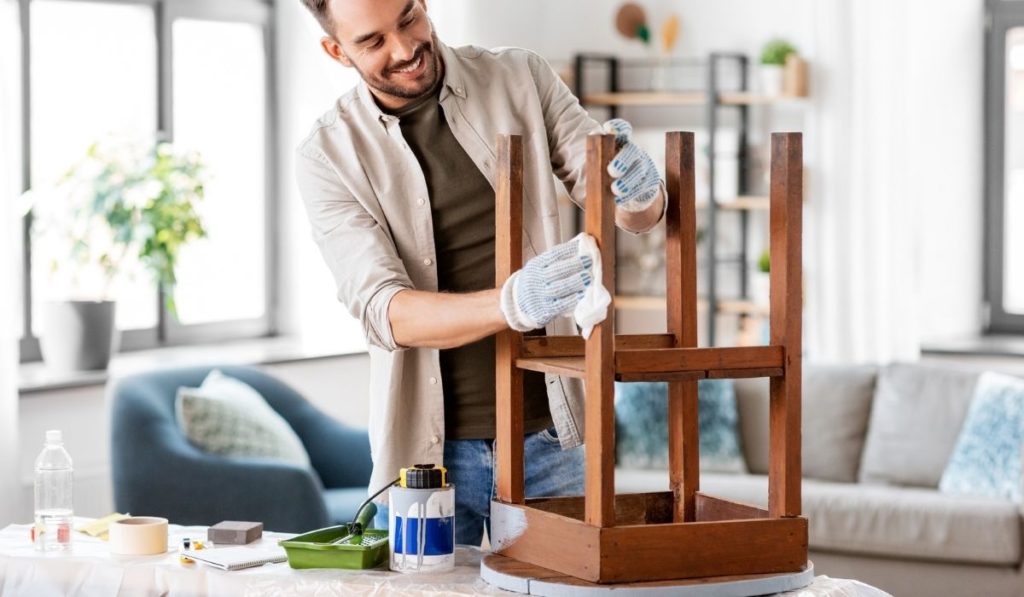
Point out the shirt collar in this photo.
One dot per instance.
(453, 85)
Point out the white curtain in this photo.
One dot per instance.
(893, 211)
(10, 487)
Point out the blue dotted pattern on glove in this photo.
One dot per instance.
(636, 177)
(553, 282)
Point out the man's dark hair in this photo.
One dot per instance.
(319, 10)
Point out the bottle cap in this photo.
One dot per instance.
(54, 436)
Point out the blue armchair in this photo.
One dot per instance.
(157, 472)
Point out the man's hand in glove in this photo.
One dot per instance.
(636, 180)
(549, 285)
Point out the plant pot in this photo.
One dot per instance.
(77, 335)
(771, 80)
(759, 287)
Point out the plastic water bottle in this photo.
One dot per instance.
(54, 502)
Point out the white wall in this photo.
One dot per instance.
(308, 84)
(557, 30)
(949, 169)
(10, 166)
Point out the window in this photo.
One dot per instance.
(196, 73)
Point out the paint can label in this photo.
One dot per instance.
(421, 529)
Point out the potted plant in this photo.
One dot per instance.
(123, 203)
(759, 285)
(773, 59)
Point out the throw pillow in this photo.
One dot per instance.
(641, 425)
(836, 408)
(987, 458)
(917, 412)
(228, 417)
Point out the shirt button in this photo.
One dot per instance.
(458, 90)
(435, 439)
(427, 261)
(433, 380)
(421, 201)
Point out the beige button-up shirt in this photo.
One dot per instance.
(367, 201)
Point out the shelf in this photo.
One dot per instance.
(644, 98)
(742, 307)
(679, 98)
(746, 202)
(671, 364)
(657, 303)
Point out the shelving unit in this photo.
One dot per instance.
(712, 98)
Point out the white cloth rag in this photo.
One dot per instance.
(593, 307)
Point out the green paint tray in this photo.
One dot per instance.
(338, 547)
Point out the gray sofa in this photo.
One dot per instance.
(875, 444)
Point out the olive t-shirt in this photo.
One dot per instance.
(462, 210)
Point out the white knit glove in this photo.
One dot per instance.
(549, 285)
(636, 180)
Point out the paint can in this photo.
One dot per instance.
(421, 520)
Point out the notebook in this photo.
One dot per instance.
(236, 558)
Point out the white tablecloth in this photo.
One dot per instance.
(89, 570)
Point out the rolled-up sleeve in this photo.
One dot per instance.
(359, 252)
(567, 124)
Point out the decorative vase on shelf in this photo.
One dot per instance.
(759, 287)
(771, 80)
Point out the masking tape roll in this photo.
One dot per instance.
(138, 536)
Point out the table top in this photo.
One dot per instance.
(90, 570)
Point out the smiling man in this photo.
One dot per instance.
(398, 181)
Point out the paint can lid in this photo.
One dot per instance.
(424, 476)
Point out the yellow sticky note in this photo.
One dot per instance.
(99, 527)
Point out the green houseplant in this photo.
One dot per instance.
(122, 207)
(773, 58)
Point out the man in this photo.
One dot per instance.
(398, 181)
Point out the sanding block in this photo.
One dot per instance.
(234, 532)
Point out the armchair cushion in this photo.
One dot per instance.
(228, 417)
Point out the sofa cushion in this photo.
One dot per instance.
(229, 417)
(987, 458)
(641, 425)
(915, 420)
(877, 520)
(836, 407)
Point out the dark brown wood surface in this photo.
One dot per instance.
(700, 549)
(573, 346)
(711, 509)
(681, 310)
(599, 381)
(630, 508)
(698, 359)
(508, 258)
(567, 366)
(786, 299)
(546, 539)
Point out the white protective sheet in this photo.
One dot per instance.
(91, 571)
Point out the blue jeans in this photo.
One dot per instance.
(550, 471)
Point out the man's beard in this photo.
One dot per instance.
(424, 84)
